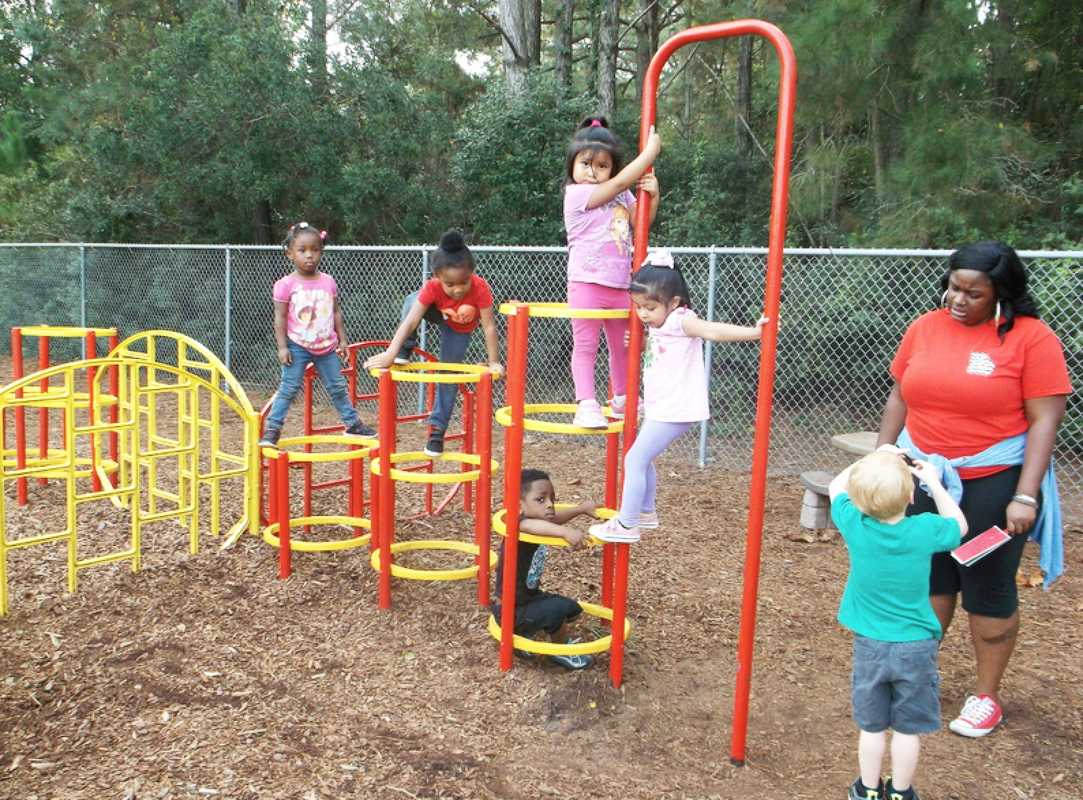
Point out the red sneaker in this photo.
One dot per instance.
(979, 716)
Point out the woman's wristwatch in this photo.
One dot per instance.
(1025, 499)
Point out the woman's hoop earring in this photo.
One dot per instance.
(944, 299)
(996, 317)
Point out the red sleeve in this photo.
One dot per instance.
(902, 356)
(427, 295)
(1045, 372)
(482, 293)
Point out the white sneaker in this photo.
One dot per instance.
(588, 414)
(648, 520)
(613, 531)
(616, 406)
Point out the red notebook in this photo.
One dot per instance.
(980, 546)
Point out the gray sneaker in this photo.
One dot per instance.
(573, 662)
(270, 438)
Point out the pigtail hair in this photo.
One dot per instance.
(593, 133)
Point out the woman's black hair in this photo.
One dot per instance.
(593, 134)
(528, 477)
(660, 284)
(297, 228)
(1002, 265)
(451, 252)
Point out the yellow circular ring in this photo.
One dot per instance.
(553, 541)
(65, 331)
(365, 445)
(412, 574)
(430, 372)
(554, 649)
(503, 416)
(301, 546)
(56, 397)
(434, 477)
(563, 311)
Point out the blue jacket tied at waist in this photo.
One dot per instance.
(1048, 531)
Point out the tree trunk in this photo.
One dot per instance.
(533, 22)
(261, 223)
(607, 57)
(879, 154)
(518, 21)
(743, 121)
(562, 46)
(317, 58)
(646, 42)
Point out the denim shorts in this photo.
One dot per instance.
(896, 685)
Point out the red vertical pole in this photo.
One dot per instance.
(281, 477)
(612, 498)
(620, 605)
(309, 425)
(515, 393)
(114, 389)
(374, 505)
(483, 505)
(357, 490)
(468, 443)
(92, 351)
(20, 415)
(388, 404)
(43, 412)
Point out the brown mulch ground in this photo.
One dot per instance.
(205, 676)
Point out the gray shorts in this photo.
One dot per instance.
(896, 685)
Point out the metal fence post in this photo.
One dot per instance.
(421, 337)
(229, 309)
(82, 295)
(712, 270)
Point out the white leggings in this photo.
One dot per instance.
(640, 481)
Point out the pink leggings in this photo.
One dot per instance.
(586, 332)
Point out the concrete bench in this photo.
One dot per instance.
(815, 506)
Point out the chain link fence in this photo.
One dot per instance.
(843, 313)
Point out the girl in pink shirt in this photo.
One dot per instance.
(674, 385)
(598, 214)
(308, 330)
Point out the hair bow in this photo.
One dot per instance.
(660, 258)
(323, 235)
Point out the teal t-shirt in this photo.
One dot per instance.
(887, 591)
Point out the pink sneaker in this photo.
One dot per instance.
(648, 520)
(613, 531)
(979, 716)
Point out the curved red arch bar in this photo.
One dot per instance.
(787, 91)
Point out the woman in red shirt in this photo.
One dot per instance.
(981, 385)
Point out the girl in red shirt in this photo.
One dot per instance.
(458, 300)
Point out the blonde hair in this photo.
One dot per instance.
(881, 485)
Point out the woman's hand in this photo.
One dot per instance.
(379, 361)
(497, 369)
(1020, 518)
(284, 356)
(343, 353)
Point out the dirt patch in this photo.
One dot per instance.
(205, 676)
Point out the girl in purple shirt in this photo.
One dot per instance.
(674, 385)
(598, 214)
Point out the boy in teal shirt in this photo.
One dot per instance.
(886, 605)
